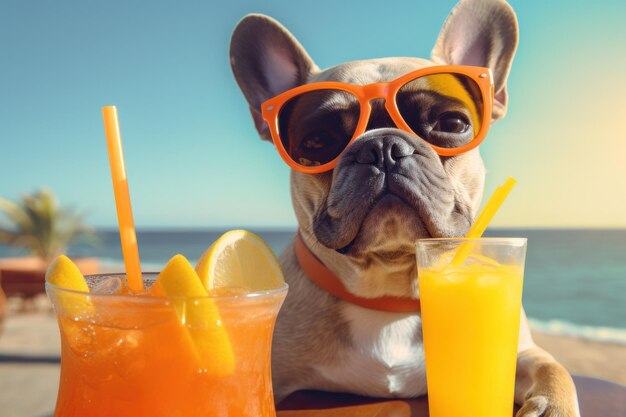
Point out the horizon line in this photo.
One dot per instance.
(293, 228)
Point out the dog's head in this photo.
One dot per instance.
(388, 187)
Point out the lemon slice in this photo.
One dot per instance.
(63, 273)
(178, 279)
(200, 316)
(240, 259)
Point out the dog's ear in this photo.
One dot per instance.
(266, 60)
(482, 33)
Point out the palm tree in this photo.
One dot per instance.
(39, 225)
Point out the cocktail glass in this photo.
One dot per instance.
(471, 315)
(131, 355)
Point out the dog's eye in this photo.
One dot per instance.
(451, 122)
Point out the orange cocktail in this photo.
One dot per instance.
(131, 355)
(471, 316)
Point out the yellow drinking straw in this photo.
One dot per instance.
(484, 218)
(128, 236)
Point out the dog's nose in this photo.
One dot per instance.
(382, 151)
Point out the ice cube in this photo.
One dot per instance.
(455, 278)
(111, 285)
(80, 337)
(231, 291)
(488, 280)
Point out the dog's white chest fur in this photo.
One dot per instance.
(386, 358)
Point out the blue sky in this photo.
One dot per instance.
(193, 156)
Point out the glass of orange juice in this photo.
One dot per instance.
(471, 314)
(131, 355)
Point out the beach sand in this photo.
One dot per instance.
(586, 357)
(30, 348)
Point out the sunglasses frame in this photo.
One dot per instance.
(365, 94)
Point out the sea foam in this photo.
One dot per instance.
(595, 333)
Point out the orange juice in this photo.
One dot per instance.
(471, 315)
(133, 357)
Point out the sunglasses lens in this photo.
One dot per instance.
(316, 126)
(444, 109)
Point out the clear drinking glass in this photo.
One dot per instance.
(131, 355)
(471, 314)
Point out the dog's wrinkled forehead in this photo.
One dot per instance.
(361, 73)
(370, 71)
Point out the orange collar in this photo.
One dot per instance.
(317, 272)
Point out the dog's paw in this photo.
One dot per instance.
(541, 406)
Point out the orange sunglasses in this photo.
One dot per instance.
(447, 106)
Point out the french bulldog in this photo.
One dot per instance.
(361, 219)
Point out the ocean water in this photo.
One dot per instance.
(574, 284)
